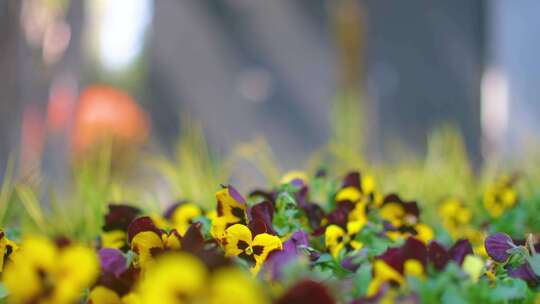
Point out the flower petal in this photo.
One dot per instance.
(263, 244)
(141, 224)
(112, 261)
(263, 212)
(231, 205)
(526, 273)
(237, 238)
(119, 217)
(333, 238)
(438, 255)
(497, 246)
(306, 291)
(460, 250)
(193, 240)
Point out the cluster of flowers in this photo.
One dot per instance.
(281, 246)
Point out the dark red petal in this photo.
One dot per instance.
(392, 198)
(263, 212)
(257, 226)
(119, 217)
(306, 291)
(315, 214)
(438, 256)
(122, 284)
(352, 180)
(394, 258)
(460, 250)
(141, 224)
(340, 215)
(497, 246)
(411, 208)
(193, 239)
(414, 249)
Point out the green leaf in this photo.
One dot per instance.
(3, 291)
(361, 280)
(534, 261)
(451, 295)
(512, 289)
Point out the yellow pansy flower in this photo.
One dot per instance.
(500, 196)
(103, 295)
(175, 278)
(349, 193)
(455, 216)
(7, 249)
(239, 241)
(113, 239)
(231, 205)
(183, 216)
(420, 231)
(43, 273)
(394, 213)
(232, 285)
(336, 238)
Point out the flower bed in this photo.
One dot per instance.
(308, 240)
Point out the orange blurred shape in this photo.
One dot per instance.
(106, 113)
(60, 107)
(32, 135)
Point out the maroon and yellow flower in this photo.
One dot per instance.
(500, 196)
(239, 241)
(42, 272)
(148, 241)
(231, 209)
(116, 224)
(337, 239)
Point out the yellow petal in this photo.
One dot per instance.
(231, 209)
(113, 239)
(424, 233)
(349, 193)
(413, 268)
(237, 238)
(232, 285)
(104, 295)
(217, 230)
(174, 278)
(334, 239)
(368, 184)
(183, 216)
(77, 268)
(359, 213)
(263, 244)
(142, 244)
(473, 266)
(393, 213)
(20, 277)
(385, 273)
(172, 240)
(355, 226)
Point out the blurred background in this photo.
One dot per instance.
(140, 70)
